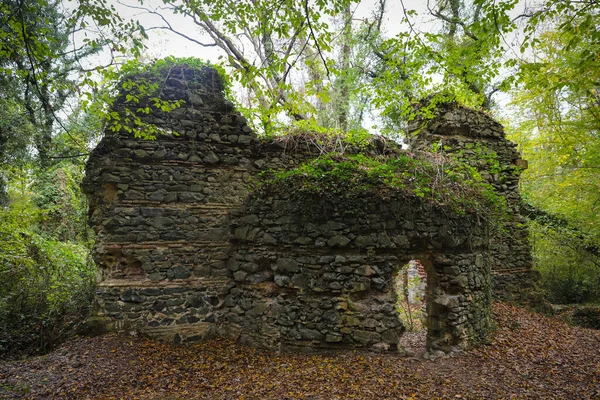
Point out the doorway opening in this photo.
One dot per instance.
(411, 289)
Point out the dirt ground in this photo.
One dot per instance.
(530, 356)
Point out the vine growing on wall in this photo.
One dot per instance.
(138, 88)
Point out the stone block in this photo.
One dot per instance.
(338, 241)
(366, 337)
(286, 265)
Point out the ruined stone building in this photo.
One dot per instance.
(186, 250)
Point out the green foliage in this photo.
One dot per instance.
(46, 280)
(123, 36)
(43, 72)
(160, 68)
(46, 287)
(434, 179)
(556, 125)
(266, 44)
(138, 86)
(558, 132)
(575, 21)
(15, 135)
(400, 81)
(327, 140)
(61, 204)
(462, 62)
(569, 274)
(40, 68)
(487, 159)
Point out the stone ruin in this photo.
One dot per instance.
(186, 250)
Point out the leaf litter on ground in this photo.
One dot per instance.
(530, 356)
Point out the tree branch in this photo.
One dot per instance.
(312, 33)
(168, 26)
(454, 20)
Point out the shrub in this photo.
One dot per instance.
(588, 317)
(46, 285)
(568, 274)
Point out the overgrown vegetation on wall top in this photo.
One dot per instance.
(430, 177)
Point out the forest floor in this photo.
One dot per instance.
(531, 356)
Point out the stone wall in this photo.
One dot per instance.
(477, 139)
(186, 249)
(161, 210)
(330, 270)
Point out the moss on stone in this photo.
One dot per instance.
(429, 177)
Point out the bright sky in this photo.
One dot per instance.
(163, 43)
